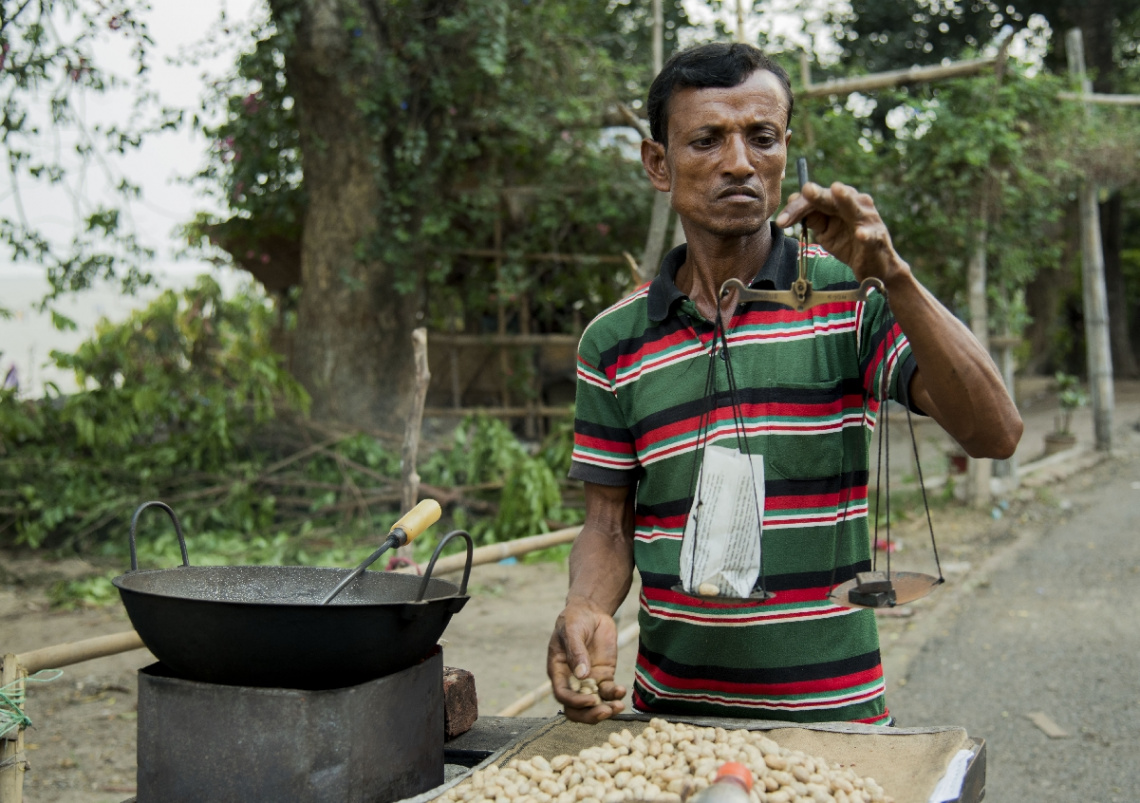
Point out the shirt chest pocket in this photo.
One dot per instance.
(804, 431)
(813, 407)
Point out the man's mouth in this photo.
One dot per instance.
(742, 191)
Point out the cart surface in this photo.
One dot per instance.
(906, 762)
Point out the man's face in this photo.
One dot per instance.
(726, 157)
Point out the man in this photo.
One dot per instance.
(807, 388)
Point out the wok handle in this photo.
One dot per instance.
(439, 548)
(415, 521)
(177, 529)
(410, 525)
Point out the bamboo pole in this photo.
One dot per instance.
(805, 115)
(883, 80)
(527, 701)
(493, 553)
(1097, 343)
(1004, 345)
(544, 689)
(1103, 99)
(913, 75)
(980, 470)
(13, 762)
(77, 652)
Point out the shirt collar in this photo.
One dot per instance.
(779, 271)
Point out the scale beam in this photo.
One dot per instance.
(801, 296)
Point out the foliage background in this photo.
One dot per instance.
(488, 113)
(186, 402)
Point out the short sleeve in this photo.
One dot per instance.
(884, 352)
(604, 450)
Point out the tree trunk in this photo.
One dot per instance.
(352, 348)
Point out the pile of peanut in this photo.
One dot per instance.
(668, 762)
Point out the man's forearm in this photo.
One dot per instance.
(957, 382)
(601, 569)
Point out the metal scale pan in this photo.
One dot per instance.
(883, 589)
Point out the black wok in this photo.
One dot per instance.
(265, 626)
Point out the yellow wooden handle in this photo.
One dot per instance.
(418, 519)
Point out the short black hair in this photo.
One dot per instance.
(718, 64)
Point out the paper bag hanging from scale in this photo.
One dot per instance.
(720, 548)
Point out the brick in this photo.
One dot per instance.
(460, 703)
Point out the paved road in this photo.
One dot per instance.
(1054, 628)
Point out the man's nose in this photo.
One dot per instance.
(736, 158)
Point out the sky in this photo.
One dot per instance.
(796, 21)
(158, 166)
(164, 158)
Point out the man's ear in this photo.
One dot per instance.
(653, 160)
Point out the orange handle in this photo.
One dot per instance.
(418, 519)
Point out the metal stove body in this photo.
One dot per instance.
(375, 742)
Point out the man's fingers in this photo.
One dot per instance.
(579, 699)
(837, 200)
(575, 653)
(812, 199)
(595, 714)
(610, 690)
(850, 204)
(563, 690)
(796, 207)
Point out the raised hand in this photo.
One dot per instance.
(846, 223)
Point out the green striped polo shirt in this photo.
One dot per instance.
(804, 399)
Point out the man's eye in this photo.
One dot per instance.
(704, 142)
(764, 141)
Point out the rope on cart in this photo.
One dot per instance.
(13, 697)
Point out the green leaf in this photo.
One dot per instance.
(62, 322)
